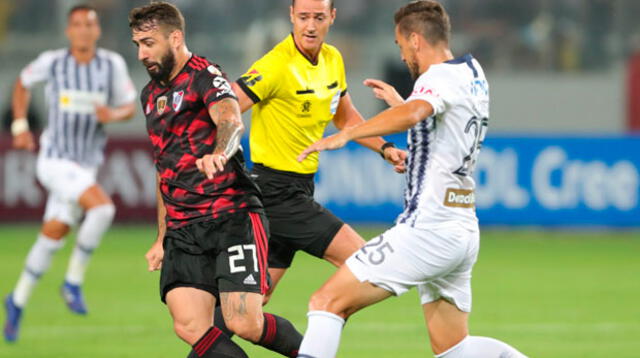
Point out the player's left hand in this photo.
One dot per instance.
(154, 256)
(210, 164)
(397, 158)
(104, 114)
(384, 91)
(331, 142)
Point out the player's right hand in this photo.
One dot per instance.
(210, 164)
(24, 141)
(335, 141)
(155, 255)
(384, 91)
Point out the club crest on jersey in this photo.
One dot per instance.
(177, 100)
(161, 104)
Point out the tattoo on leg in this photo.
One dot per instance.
(242, 308)
(227, 314)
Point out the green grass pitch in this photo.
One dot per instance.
(550, 294)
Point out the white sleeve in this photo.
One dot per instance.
(124, 91)
(431, 88)
(38, 70)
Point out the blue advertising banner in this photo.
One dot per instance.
(545, 181)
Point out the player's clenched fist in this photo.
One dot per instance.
(210, 164)
(396, 157)
(155, 255)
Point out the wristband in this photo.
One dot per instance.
(19, 126)
(385, 146)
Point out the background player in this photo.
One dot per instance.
(435, 241)
(86, 88)
(296, 90)
(212, 237)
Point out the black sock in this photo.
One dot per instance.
(218, 321)
(215, 344)
(279, 335)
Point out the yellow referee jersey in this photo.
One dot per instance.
(295, 99)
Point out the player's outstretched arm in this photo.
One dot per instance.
(347, 116)
(393, 120)
(156, 253)
(22, 136)
(384, 91)
(226, 115)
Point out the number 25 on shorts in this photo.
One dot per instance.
(374, 251)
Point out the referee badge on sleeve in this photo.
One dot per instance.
(335, 101)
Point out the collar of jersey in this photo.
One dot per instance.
(302, 53)
(462, 59)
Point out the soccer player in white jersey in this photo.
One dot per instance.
(435, 241)
(86, 87)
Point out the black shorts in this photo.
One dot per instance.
(296, 220)
(227, 254)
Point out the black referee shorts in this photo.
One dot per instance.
(296, 220)
(227, 254)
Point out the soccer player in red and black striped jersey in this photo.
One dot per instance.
(212, 237)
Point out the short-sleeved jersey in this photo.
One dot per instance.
(295, 100)
(181, 131)
(444, 147)
(72, 91)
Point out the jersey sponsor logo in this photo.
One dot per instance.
(305, 109)
(80, 102)
(213, 70)
(425, 91)
(177, 100)
(459, 198)
(306, 106)
(161, 104)
(251, 78)
(222, 85)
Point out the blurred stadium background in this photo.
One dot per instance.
(559, 177)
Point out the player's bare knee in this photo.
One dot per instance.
(188, 330)
(55, 230)
(327, 300)
(246, 328)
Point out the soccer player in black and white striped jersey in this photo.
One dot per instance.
(86, 87)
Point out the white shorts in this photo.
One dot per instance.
(65, 181)
(438, 261)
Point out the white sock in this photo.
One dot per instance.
(96, 222)
(322, 338)
(37, 263)
(481, 347)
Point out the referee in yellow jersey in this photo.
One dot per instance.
(295, 90)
